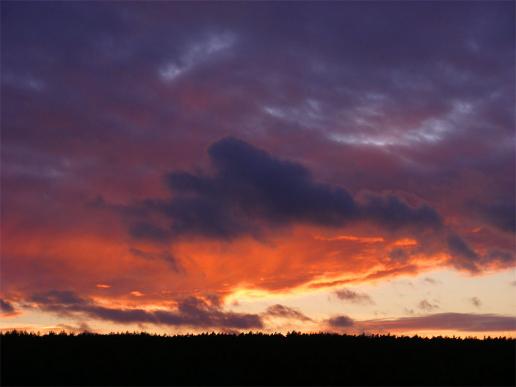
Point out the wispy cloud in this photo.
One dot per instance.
(195, 54)
(354, 297)
(427, 306)
(282, 311)
(464, 322)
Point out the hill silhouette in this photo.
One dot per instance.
(254, 359)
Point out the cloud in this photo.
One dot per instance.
(430, 281)
(475, 301)
(340, 322)
(392, 212)
(164, 256)
(6, 308)
(251, 187)
(250, 183)
(191, 312)
(80, 327)
(399, 255)
(501, 214)
(282, 311)
(57, 298)
(466, 322)
(463, 255)
(353, 297)
(427, 306)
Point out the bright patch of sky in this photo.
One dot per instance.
(431, 131)
(196, 54)
(448, 290)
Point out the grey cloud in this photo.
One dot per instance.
(341, 322)
(283, 311)
(377, 73)
(476, 301)
(353, 297)
(427, 305)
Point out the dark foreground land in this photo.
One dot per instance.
(254, 359)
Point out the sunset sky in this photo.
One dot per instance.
(182, 167)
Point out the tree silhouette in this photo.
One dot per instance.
(254, 359)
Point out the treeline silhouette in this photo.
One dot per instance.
(253, 359)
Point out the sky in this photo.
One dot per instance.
(181, 167)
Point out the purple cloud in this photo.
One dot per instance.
(465, 322)
(191, 312)
(353, 297)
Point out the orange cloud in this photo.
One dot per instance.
(352, 238)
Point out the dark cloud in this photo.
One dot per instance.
(191, 312)
(392, 212)
(250, 186)
(6, 307)
(463, 256)
(283, 311)
(58, 297)
(506, 257)
(353, 297)
(251, 183)
(341, 322)
(501, 214)
(467, 322)
(427, 306)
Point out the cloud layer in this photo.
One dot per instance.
(191, 312)
(158, 153)
(251, 187)
(465, 322)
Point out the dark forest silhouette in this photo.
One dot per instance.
(254, 359)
